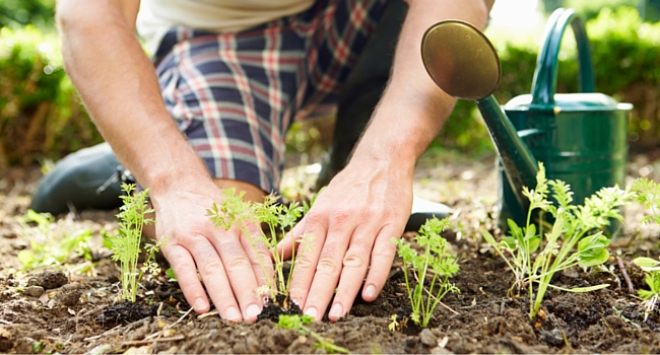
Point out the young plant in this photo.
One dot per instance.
(47, 248)
(435, 260)
(233, 211)
(648, 194)
(650, 297)
(299, 323)
(575, 237)
(125, 245)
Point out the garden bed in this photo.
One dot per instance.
(70, 309)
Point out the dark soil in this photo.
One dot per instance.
(71, 308)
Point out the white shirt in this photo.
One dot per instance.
(156, 17)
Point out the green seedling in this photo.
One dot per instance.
(125, 245)
(648, 194)
(394, 325)
(233, 211)
(299, 323)
(650, 296)
(49, 249)
(435, 260)
(575, 238)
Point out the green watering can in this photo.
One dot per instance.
(581, 138)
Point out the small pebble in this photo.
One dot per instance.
(34, 291)
(427, 338)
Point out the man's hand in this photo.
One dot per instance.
(369, 202)
(120, 90)
(227, 263)
(352, 223)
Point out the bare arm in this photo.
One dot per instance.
(413, 106)
(120, 90)
(368, 203)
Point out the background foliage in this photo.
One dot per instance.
(41, 115)
(16, 13)
(626, 55)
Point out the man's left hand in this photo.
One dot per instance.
(350, 229)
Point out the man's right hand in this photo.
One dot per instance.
(120, 90)
(227, 263)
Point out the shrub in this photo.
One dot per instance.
(40, 114)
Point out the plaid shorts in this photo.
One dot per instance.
(234, 95)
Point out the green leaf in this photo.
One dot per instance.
(647, 264)
(170, 274)
(489, 238)
(595, 257)
(645, 294)
(531, 239)
(581, 289)
(514, 230)
(592, 250)
(37, 347)
(509, 243)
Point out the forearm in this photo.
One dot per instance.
(413, 108)
(120, 90)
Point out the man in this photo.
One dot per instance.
(230, 77)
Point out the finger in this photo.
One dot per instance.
(215, 279)
(307, 258)
(382, 257)
(329, 266)
(185, 270)
(354, 267)
(241, 274)
(259, 257)
(286, 246)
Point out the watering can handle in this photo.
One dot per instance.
(545, 76)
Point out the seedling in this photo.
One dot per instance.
(436, 260)
(299, 323)
(650, 297)
(233, 211)
(574, 226)
(48, 249)
(648, 194)
(394, 324)
(125, 245)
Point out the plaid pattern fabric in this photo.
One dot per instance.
(234, 95)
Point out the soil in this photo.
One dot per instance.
(71, 308)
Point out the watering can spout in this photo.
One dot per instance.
(462, 62)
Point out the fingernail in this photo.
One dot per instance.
(370, 291)
(200, 305)
(312, 312)
(253, 311)
(337, 311)
(233, 314)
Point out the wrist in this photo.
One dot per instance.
(398, 135)
(176, 171)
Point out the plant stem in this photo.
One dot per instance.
(246, 233)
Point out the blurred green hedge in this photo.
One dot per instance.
(40, 114)
(626, 55)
